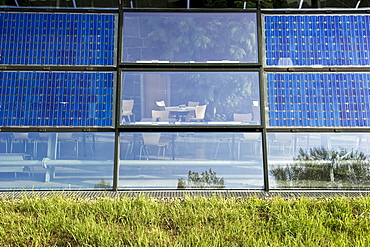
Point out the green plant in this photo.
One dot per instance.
(215, 3)
(207, 180)
(268, 4)
(188, 221)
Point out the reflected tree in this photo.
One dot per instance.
(206, 180)
(323, 164)
(183, 37)
(186, 38)
(103, 185)
(234, 4)
(252, 4)
(225, 93)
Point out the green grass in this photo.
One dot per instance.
(199, 221)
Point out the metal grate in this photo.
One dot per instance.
(182, 194)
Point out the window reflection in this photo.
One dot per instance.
(154, 4)
(318, 160)
(190, 38)
(177, 160)
(48, 160)
(152, 98)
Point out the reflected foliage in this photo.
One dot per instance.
(206, 180)
(323, 164)
(232, 4)
(103, 185)
(224, 93)
(267, 4)
(193, 39)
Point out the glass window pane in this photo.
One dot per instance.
(56, 160)
(154, 4)
(190, 37)
(318, 160)
(189, 160)
(188, 98)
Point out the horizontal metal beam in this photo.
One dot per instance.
(49, 162)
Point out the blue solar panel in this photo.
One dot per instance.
(57, 39)
(56, 98)
(318, 99)
(310, 40)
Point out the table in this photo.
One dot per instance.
(181, 113)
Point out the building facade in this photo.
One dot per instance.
(135, 98)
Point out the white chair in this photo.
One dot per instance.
(221, 139)
(192, 104)
(127, 106)
(163, 107)
(25, 138)
(161, 104)
(200, 112)
(256, 113)
(254, 139)
(128, 139)
(6, 138)
(68, 137)
(153, 139)
(160, 114)
(21, 138)
(42, 139)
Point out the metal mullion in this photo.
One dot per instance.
(263, 123)
(263, 94)
(265, 160)
(116, 162)
(117, 100)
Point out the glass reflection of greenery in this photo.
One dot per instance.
(186, 38)
(206, 180)
(337, 167)
(224, 93)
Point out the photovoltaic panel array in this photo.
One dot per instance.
(317, 40)
(56, 98)
(319, 99)
(57, 39)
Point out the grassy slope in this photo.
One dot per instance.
(57, 221)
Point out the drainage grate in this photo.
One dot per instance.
(182, 194)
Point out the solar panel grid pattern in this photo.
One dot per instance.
(56, 98)
(317, 40)
(319, 99)
(57, 39)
